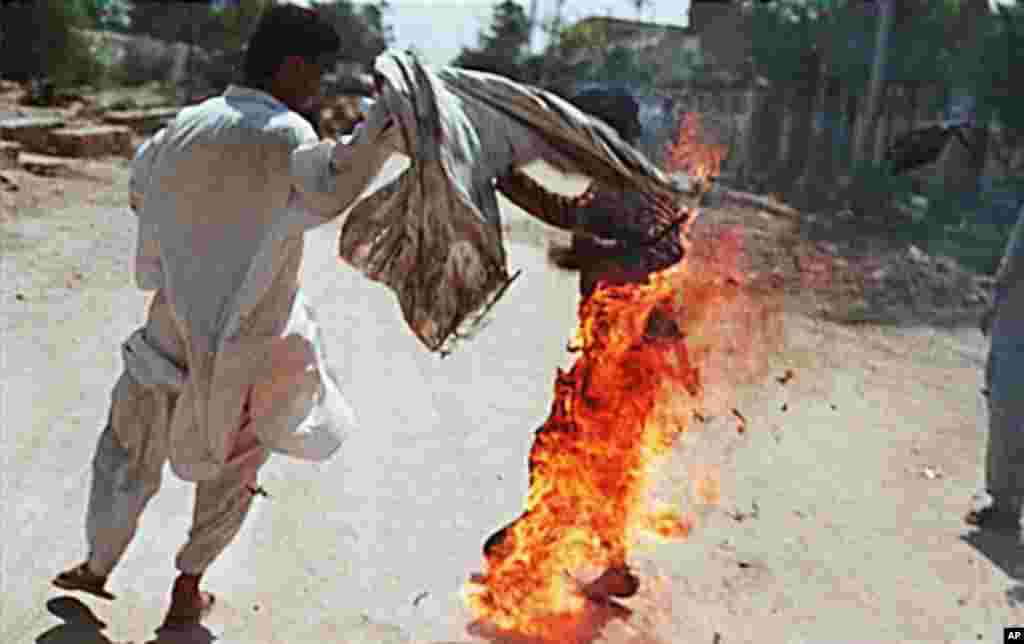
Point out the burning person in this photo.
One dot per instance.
(230, 366)
(631, 391)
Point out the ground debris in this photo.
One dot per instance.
(740, 516)
(927, 472)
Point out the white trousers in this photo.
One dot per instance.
(129, 461)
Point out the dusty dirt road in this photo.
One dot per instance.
(839, 519)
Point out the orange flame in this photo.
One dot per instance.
(617, 411)
(636, 385)
(692, 155)
(589, 463)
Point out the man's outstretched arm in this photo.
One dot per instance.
(329, 176)
(623, 217)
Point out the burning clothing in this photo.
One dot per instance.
(434, 235)
(1004, 377)
(606, 246)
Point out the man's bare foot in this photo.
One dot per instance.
(189, 605)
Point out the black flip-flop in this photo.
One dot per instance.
(81, 580)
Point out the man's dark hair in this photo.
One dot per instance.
(616, 108)
(287, 30)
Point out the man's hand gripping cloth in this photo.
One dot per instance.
(434, 235)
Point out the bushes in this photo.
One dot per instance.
(972, 228)
(45, 40)
(877, 192)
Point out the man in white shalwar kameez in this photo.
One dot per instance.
(229, 366)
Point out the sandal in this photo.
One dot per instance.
(994, 519)
(80, 578)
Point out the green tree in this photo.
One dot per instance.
(112, 15)
(929, 42)
(687, 65)
(62, 52)
(992, 70)
(364, 34)
(620, 65)
(573, 51)
(502, 48)
(234, 23)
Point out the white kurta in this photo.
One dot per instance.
(224, 195)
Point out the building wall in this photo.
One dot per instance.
(725, 34)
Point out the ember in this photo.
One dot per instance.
(635, 385)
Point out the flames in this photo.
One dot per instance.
(636, 385)
(591, 460)
(691, 154)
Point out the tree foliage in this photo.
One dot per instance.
(843, 33)
(924, 48)
(364, 33)
(582, 52)
(113, 15)
(622, 66)
(61, 52)
(992, 71)
(226, 26)
(234, 22)
(502, 48)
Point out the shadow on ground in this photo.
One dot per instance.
(81, 626)
(589, 628)
(1006, 552)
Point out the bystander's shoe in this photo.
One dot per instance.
(993, 519)
(81, 579)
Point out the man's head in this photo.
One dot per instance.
(616, 108)
(289, 53)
